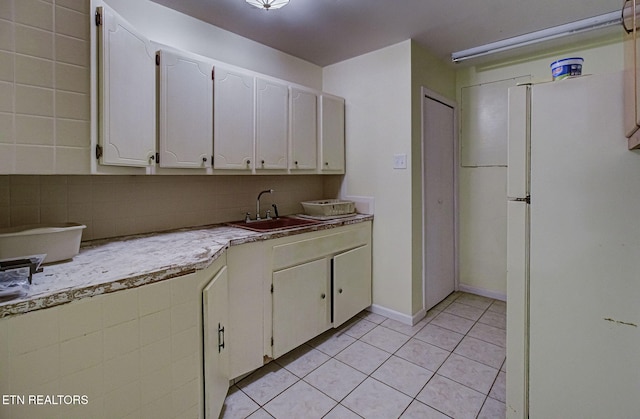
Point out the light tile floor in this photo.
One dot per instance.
(450, 365)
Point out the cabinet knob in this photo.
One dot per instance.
(204, 159)
(262, 162)
(295, 162)
(326, 163)
(248, 162)
(323, 296)
(340, 291)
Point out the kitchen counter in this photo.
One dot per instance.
(110, 265)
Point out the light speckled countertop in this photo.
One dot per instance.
(104, 266)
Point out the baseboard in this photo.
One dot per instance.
(397, 316)
(482, 292)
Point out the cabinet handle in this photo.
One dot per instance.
(323, 295)
(220, 338)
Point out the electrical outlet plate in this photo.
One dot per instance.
(399, 161)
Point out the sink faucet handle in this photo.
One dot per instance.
(275, 210)
(268, 215)
(247, 217)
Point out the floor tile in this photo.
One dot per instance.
(300, 401)
(341, 412)
(403, 375)
(260, 414)
(456, 323)
(405, 329)
(302, 360)
(498, 307)
(494, 319)
(451, 398)
(267, 382)
(358, 328)
(372, 317)
(439, 336)
(372, 399)
(492, 409)
(386, 339)
(464, 310)
(475, 300)
(335, 379)
(238, 405)
(332, 342)
(423, 354)
(498, 391)
(431, 314)
(363, 357)
(489, 334)
(418, 410)
(481, 351)
(470, 373)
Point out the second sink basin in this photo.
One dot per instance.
(274, 224)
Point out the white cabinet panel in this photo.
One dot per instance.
(632, 72)
(304, 130)
(272, 124)
(351, 283)
(216, 352)
(185, 112)
(301, 304)
(332, 134)
(233, 120)
(127, 93)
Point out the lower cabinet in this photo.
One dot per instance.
(351, 283)
(215, 319)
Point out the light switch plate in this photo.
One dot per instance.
(399, 161)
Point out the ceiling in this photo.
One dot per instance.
(328, 31)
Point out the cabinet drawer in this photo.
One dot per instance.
(301, 251)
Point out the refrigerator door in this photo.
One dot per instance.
(518, 143)
(585, 241)
(517, 308)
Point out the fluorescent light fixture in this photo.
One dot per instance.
(268, 4)
(573, 28)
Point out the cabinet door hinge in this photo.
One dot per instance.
(157, 59)
(271, 340)
(98, 16)
(213, 73)
(157, 158)
(271, 288)
(98, 151)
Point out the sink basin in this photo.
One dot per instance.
(274, 224)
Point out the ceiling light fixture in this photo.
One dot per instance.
(268, 4)
(597, 22)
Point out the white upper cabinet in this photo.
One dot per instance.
(331, 134)
(185, 111)
(304, 130)
(233, 131)
(127, 93)
(272, 124)
(631, 19)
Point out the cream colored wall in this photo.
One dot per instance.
(121, 205)
(377, 89)
(166, 26)
(482, 194)
(426, 71)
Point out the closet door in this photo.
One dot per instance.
(186, 111)
(127, 93)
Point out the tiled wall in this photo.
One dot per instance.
(133, 353)
(121, 205)
(44, 86)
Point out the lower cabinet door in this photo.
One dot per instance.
(351, 283)
(216, 353)
(301, 304)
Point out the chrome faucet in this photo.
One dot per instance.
(258, 204)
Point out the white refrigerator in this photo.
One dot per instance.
(573, 261)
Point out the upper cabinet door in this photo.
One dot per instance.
(185, 112)
(272, 124)
(332, 134)
(304, 130)
(127, 93)
(233, 131)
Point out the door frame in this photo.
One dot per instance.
(427, 93)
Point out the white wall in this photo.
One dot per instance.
(482, 194)
(166, 26)
(377, 89)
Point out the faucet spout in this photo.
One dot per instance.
(258, 202)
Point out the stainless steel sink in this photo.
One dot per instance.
(281, 223)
